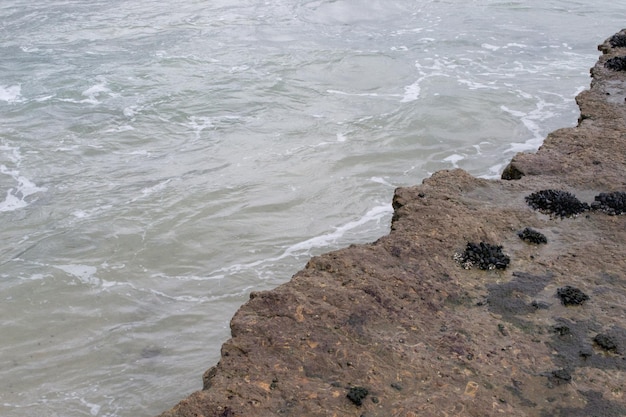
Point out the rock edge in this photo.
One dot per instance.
(399, 327)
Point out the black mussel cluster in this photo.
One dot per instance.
(618, 40)
(484, 256)
(532, 236)
(557, 203)
(571, 296)
(357, 395)
(617, 63)
(611, 203)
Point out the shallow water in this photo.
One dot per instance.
(158, 163)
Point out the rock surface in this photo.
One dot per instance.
(400, 328)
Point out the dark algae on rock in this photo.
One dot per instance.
(400, 317)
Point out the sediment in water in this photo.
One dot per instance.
(402, 312)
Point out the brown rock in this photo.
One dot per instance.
(403, 321)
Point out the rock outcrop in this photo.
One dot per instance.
(431, 321)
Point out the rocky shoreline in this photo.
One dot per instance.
(488, 297)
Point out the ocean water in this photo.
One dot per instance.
(159, 161)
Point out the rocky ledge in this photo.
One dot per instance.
(487, 298)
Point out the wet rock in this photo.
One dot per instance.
(357, 395)
(510, 299)
(617, 63)
(484, 256)
(606, 342)
(557, 203)
(511, 172)
(573, 348)
(561, 330)
(571, 296)
(560, 376)
(585, 352)
(532, 236)
(595, 406)
(539, 305)
(611, 203)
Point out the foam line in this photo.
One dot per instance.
(304, 248)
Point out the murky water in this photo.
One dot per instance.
(159, 161)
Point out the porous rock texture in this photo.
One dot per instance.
(403, 324)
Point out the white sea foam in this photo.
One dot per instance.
(435, 68)
(11, 93)
(202, 299)
(130, 111)
(490, 47)
(454, 159)
(531, 122)
(198, 124)
(412, 91)
(12, 153)
(94, 409)
(344, 93)
(84, 273)
(37, 277)
(121, 128)
(17, 198)
(375, 214)
(92, 94)
(382, 181)
(495, 171)
(96, 90)
(148, 191)
(12, 202)
(85, 214)
(44, 98)
(474, 85)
